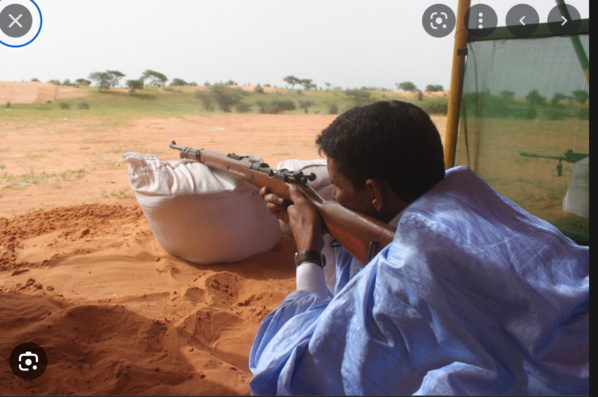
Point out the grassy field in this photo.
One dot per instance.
(509, 127)
(494, 148)
(118, 106)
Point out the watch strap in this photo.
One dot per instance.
(310, 256)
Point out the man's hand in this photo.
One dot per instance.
(302, 216)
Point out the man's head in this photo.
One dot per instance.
(392, 142)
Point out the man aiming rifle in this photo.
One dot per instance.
(473, 295)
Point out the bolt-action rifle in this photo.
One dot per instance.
(360, 234)
(570, 157)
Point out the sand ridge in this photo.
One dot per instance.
(118, 315)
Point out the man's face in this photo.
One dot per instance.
(345, 193)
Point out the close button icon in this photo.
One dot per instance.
(15, 20)
(20, 22)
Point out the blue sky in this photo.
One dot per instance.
(347, 43)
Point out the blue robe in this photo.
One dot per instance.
(473, 296)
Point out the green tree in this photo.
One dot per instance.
(406, 86)
(225, 97)
(83, 82)
(114, 76)
(156, 79)
(534, 98)
(507, 94)
(103, 80)
(178, 82)
(581, 96)
(134, 85)
(434, 88)
(292, 80)
(307, 84)
(556, 99)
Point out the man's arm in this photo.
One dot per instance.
(306, 223)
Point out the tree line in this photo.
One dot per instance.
(112, 78)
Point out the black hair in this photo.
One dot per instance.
(394, 141)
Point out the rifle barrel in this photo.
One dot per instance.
(546, 156)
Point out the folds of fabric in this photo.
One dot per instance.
(473, 296)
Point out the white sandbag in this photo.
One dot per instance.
(204, 216)
(577, 199)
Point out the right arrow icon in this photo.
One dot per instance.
(564, 20)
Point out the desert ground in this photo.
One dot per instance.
(82, 275)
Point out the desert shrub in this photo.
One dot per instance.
(531, 114)
(243, 107)
(83, 105)
(64, 105)
(332, 108)
(305, 104)
(435, 106)
(259, 89)
(205, 98)
(518, 113)
(8, 104)
(225, 97)
(276, 106)
(359, 97)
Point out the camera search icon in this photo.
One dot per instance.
(28, 361)
(439, 20)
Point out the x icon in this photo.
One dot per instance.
(15, 20)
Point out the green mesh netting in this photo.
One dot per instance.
(524, 126)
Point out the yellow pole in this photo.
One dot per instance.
(452, 119)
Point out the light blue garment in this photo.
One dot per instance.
(473, 296)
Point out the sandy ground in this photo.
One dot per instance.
(82, 275)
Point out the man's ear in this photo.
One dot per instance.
(377, 191)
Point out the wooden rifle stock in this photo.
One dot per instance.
(360, 234)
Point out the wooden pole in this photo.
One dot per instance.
(459, 53)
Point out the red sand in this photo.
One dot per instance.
(82, 275)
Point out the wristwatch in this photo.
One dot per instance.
(310, 256)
